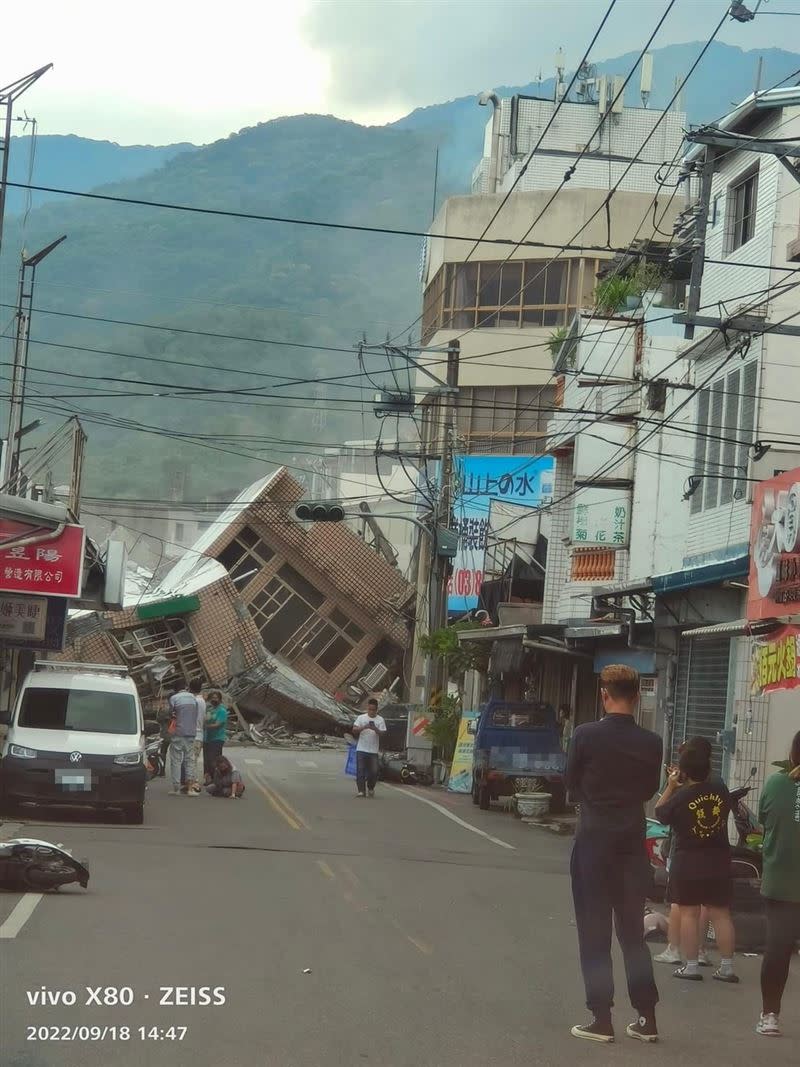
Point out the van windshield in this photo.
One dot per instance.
(84, 710)
(530, 719)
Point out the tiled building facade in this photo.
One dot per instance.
(319, 597)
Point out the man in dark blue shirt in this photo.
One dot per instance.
(613, 769)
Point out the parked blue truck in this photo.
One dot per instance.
(518, 750)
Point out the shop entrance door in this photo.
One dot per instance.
(702, 695)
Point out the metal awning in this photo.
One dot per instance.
(706, 574)
(623, 588)
(737, 628)
(492, 633)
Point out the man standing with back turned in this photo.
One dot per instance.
(613, 769)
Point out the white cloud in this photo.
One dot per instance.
(155, 72)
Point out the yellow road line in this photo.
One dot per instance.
(326, 870)
(274, 804)
(418, 944)
(350, 875)
(276, 799)
(426, 950)
(289, 808)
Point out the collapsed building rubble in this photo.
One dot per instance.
(295, 622)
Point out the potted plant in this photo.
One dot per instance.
(556, 340)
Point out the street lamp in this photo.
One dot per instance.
(27, 278)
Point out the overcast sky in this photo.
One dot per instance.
(161, 71)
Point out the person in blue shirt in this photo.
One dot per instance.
(215, 732)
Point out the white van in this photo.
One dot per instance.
(75, 736)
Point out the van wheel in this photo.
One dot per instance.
(484, 797)
(133, 814)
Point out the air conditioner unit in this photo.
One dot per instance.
(373, 678)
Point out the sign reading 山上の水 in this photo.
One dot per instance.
(521, 480)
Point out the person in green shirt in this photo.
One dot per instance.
(215, 732)
(779, 814)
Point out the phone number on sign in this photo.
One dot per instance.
(465, 583)
(106, 1033)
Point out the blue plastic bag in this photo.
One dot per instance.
(350, 765)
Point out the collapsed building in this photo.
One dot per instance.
(295, 621)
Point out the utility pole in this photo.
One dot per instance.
(443, 515)
(27, 277)
(8, 94)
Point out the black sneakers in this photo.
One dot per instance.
(599, 1030)
(644, 1029)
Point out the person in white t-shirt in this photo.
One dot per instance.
(368, 729)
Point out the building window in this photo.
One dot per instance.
(286, 612)
(726, 413)
(536, 292)
(170, 638)
(179, 531)
(244, 557)
(331, 639)
(510, 420)
(741, 211)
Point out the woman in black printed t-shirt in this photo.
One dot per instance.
(700, 874)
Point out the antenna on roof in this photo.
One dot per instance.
(646, 84)
(678, 87)
(559, 91)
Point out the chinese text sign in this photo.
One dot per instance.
(525, 480)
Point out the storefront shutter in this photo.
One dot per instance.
(701, 693)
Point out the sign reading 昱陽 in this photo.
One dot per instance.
(776, 660)
(520, 480)
(45, 568)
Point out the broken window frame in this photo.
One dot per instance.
(254, 554)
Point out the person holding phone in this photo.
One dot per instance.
(368, 728)
(697, 808)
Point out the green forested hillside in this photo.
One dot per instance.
(205, 273)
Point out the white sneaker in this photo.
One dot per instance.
(768, 1025)
(703, 960)
(669, 955)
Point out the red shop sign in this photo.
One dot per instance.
(774, 587)
(49, 568)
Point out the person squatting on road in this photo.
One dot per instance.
(779, 814)
(613, 768)
(672, 953)
(185, 710)
(697, 809)
(216, 720)
(226, 781)
(368, 729)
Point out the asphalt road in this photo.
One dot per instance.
(342, 931)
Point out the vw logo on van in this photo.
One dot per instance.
(75, 757)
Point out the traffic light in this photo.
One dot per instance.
(319, 512)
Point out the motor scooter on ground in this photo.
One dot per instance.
(28, 865)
